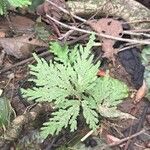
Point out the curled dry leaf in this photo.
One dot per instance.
(141, 92)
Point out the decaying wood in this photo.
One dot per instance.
(130, 10)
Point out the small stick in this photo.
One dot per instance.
(137, 21)
(139, 126)
(23, 62)
(128, 47)
(136, 33)
(99, 34)
(85, 21)
(87, 135)
(77, 39)
(124, 140)
(67, 12)
(140, 30)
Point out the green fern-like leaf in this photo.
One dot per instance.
(90, 114)
(19, 3)
(60, 51)
(4, 4)
(70, 82)
(62, 118)
(109, 91)
(146, 62)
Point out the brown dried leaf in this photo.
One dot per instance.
(21, 23)
(141, 92)
(20, 47)
(110, 27)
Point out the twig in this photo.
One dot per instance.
(140, 30)
(125, 139)
(66, 35)
(136, 33)
(77, 39)
(23, 62)
(67, 12)
(87, 135)
(99, 34)
(85, 21)
(138, 126)
(137, 21)
(128, 47)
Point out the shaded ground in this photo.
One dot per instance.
(14, 78)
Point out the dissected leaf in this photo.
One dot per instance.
(109, 92)
(70, 82)
(146, 55)
(5, 111)
(145, 89)
(4, 4)
(61, 51)
(61, 119)
(112, 112)
(19, 3)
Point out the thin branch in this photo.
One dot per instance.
(85, 21)
(67, 12)
(137, 21)
(128, 47)
(87, 135)
(99, 34)
(136, 33)
(24, 62)
(124, 140)
(140, 30)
